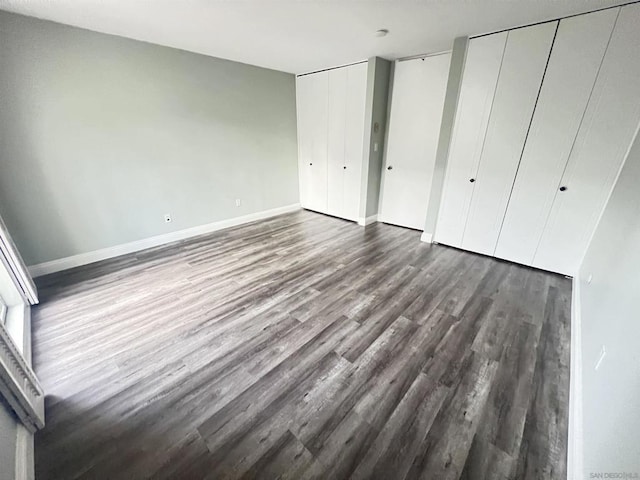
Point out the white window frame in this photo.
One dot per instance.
(16, 267)
(18, 383)
(3, 311)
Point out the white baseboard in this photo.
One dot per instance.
(135, 246)
(426, 237)
(368, 220)
(575, 458)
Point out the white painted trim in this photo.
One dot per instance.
(19, 385)
(426, 237)
(155, 241)
(575, 457)
(25, 469)
(368, 221)
(16, 268)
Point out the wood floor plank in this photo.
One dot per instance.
(303, 346)
(487, 462)
(398, 444)
(287, 459)
(447, 444)
(544, 445)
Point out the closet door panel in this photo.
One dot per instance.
(607, 130)
(481, 70)
(523, 66)
(417, 100)
(337, 115)
(304, 99)
(577, 54)
(317, 185)
(356, 88)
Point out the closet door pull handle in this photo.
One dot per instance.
(563, 188)
(472, 180)
(344, 168)
(389, 167)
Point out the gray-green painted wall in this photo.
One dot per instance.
(610, 313)
(454, 81)
(100, 136)
(378, 76)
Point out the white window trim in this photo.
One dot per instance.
(3, 311)
(19, 385)
(16, 267)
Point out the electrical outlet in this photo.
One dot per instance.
(603, 353)
(167, 217)
(238, 202)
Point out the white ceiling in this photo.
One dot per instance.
(300, 36)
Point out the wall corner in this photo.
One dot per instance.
(378, 80)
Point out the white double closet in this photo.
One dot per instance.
(545, 117)
(331, 127)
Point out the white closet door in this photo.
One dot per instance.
(523, 66)
(419, 87)
(354, 139)
(606, 132)
(481, 70)
(330, 108)
(304, 96)
(577, 53)
(312, 131)
(337, 115)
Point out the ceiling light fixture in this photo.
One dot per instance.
(382, 32)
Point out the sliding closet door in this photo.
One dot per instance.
(419, 87)
(312, 95)
(604, 137)
(337, 114)
(481, 70)
(576, 57)
(523, 66)
(354, 138)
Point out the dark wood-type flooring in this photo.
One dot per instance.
(303, 346)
